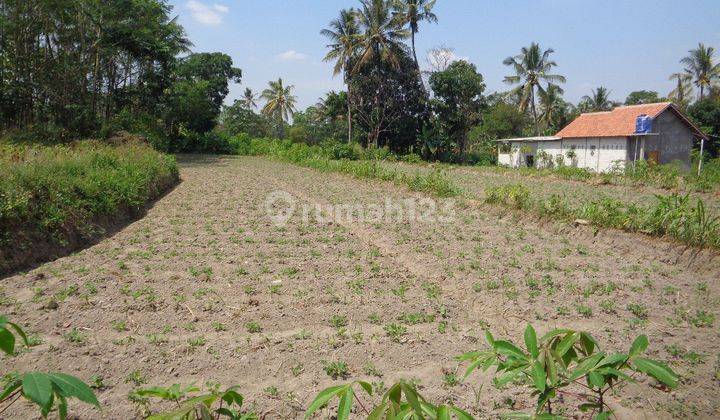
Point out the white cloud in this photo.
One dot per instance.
(205, 14)
(220, 8)
(292, 55)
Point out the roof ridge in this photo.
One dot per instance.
(636, 105)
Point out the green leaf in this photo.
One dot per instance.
(596, 379)
(460, 414)
(323, 397)
(531, 341)
(71, 386)
(412, 397)
(566, 343)
(7, 342)
(37, 388)
(443, 413)
(522, 416)
(508, 349)
(612, 359)
(657, 370)
(585, 365)
(539, 377)
(10, 388)
(588, 343)
(346, 402)
(638, 346)
(230, 396)
(62, 407)
(366, 386)
(554, 333)
(508, 376)
(489, 338)
(612, 371)
(19, 331)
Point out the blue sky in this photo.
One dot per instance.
(622, 45)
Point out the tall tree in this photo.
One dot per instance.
(458, 99)
(73, 64)
(532, 67)
(382, 35)
(598, 101)
(344, 35)
(700, 64)
(552, 107)
(249, 99)
(682, 93)
(639, 97)
(280, 104)
(412, 12)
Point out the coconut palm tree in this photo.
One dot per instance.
(249, 99)
(412, 12)
(699, 64)
(532, 67)
(683, 89)
(382, 34)
(344, 35)
(280, 103)
(551, 105)
(598, 101)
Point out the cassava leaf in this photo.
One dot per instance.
(71, 386)
(657, 370)
(37, 387)
(531, 341)
(323, 397)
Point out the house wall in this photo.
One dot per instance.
(674, 140)
(598, 154)
(516, 157)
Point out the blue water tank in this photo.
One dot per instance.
(643, 124)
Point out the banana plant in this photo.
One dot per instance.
(563, 358)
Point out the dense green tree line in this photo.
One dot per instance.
(71, 67)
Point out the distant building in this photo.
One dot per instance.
(602, 141)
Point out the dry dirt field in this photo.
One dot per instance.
(207, 288)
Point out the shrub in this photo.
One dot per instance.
(58, 196)
(513, 195)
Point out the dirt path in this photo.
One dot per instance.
(174, 297)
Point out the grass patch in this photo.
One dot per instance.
(52, 198)
(348, 159)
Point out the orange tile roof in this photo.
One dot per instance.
(620, 122)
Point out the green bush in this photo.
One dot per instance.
(513, 195)
(348, 159)
(56, 195)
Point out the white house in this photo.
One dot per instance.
(602, 141)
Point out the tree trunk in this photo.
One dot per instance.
(349, 113)
(412, 40)
(532, 104)
(96, 71)
(702, 91)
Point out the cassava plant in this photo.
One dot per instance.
(400, 401)
(564, 358)
(214, 404)
(47, 390)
